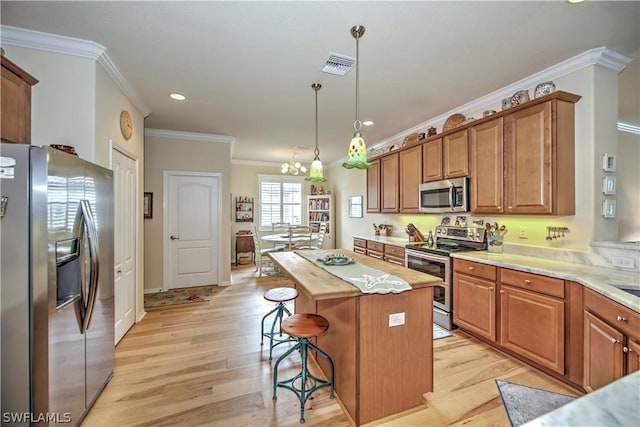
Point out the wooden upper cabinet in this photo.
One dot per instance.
(487, 167)
(523, 162)
(389, 183)
(410, 179)
(432, 160)
(540, 158)
(15, 114)
(455, 155)
(373, 187)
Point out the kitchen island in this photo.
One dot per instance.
(380, 370)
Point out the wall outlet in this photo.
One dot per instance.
(396, 319)
(523, 233)
(622, 261)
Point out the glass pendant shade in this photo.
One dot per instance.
(357, 154)
(316, 173)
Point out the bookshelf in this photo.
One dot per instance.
(320, 209)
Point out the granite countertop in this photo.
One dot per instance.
(599, 279)
(616, 404)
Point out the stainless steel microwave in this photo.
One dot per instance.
(448, 195)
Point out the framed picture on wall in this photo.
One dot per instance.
(355, 207)
(148, 205)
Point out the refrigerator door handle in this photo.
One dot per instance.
(92, 238)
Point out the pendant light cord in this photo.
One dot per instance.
(316, 151)
(357, 125)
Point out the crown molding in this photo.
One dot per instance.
(189, 136)
(602, 56)
(256, 163)
(54, 43)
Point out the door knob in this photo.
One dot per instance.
(174, 238)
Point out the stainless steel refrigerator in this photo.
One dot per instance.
(56, 228)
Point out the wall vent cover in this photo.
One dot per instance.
(338, 64)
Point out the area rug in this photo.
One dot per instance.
(438, 332)
(524, 404)
(178, 296)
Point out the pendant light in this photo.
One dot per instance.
(357, 155)
(316, 173)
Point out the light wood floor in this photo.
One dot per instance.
(201, 364)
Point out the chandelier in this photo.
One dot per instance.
(293, 167)
(357, 154)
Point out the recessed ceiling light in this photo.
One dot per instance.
(368, 122)
(178, 96)
(574, 1)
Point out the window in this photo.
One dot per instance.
(280, 200)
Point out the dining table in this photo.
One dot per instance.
(283, 238)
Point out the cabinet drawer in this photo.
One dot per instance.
(361, 243)
(394, 251)
(359, 250)
(376, 246)
(617, 315)
(475, 269)
(533, 282)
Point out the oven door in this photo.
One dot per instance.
(435, 265)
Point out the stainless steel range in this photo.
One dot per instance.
(436, 260)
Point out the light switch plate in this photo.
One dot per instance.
(396, 319)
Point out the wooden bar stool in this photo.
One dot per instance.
(303, 327)
(279, 296)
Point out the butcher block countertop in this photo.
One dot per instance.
(323, 285)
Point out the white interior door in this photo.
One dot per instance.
(124, 256)
(191, 228)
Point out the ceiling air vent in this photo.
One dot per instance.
(338, 64)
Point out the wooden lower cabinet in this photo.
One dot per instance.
(611, 341)
(394, 254)
(603, 355)
(474, 305)
(532, 325)
(375, 249)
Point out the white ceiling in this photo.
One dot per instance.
(247, 67)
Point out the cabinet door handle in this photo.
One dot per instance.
(527, 281)
(471, 268)
(621, 319)
(501, 291)
(614, 341)
(174, 238)
(626, 349)
(491, 289)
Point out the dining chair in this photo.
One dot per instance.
(280, 227)
(260, 252)
(300, 237)
(316, 243)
